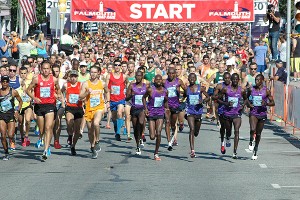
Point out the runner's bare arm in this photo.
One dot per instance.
(271, 99)
(17, 96)
(166, 102)
(216, 94)
(129, 92)
(107, 89)
(145, 96)
(203, 90)
(84, 91)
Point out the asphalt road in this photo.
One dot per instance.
(119, 174)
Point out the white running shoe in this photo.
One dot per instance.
(138, 151)
(254, 157)
(251, 146)
(234, 156)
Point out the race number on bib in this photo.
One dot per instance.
(158, 101)
(172, 92)
(234, 100)
(257, 100)
(95, 101)
(115, 90)
(25, 98)
(45, 92)
(194, 99)
(6, 105)
(73, 98)
(138, 100)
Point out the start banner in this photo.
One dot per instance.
(171, 11)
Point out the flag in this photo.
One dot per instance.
(275, 3)
(29, 10)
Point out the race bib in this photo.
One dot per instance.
(6, 105)
(234, 100)
(257, 100)
(45, 92)
(25, 98)
(194, 99)
(172, 92)
(115, 90)
(73, 98)
(95, 101)
(158, 101)
(138, 100)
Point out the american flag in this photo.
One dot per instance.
(275, 3)
(29, 10)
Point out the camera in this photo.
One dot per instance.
(270, 8)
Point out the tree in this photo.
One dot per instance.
(283, 7)
(40, 13)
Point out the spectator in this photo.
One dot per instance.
(66, 38)
(281, 74)
(24, 47)
(296, 58)
(274, 26)
(5, 45)
(14, 42)
(260, 53)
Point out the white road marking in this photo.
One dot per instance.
(276, 186)
(248, 151)
(264, 166)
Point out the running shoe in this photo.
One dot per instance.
(228, 142)
(12, 146)
(125, 131)
(80, 135)
(234, 156)
(44, 156)
(218, 124)
(181, 126)
(36, 130)
(251, 146)
(170, 148)
(144, 138)
(118, 137)
(73, 151)
(129, 138)
(207, 115)
(94, 154)
(6, 157)
(42, 143)
(142, 143)
(192, 154)
(254, 156)
(56, 144)
(38, 144)
(97, 146)
(24, 143)
(156, 157)
(223, 150)
(27, 141)
(48, 151)
(138, 151)
(213, 119)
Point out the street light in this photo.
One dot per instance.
(62, 7)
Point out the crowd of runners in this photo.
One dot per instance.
(143, 78)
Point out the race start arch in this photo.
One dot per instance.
(171, 11)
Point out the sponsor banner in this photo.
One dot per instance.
(135, 11)
(257, 28)
(260, 7)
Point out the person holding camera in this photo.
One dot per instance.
(5, 45)
(274, 26)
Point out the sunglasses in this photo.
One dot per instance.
(150, 61)
(12, 70)
(4, 61)
(118, 65)
(81, 66)
(176, 62)
(253, 68)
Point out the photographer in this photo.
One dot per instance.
(5, 45)
(274, 25)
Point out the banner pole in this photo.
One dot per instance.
(250, 34)
(288, 42)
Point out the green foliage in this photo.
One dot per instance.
(40, 12)
(283, 7)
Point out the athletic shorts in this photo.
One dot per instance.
(232, 117)
(114, 105)
(259, 117)
(210, 91)
(23, 109)
(77, 112)
(89, 116)
(135, 112)
(182, 106)
(197, 117)
(43, 109)
(155, 117)
(175, 110)
(295, 64)
(128, 103)
(7, 117)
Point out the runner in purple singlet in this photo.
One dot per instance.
(155, 109)
(259, 97)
